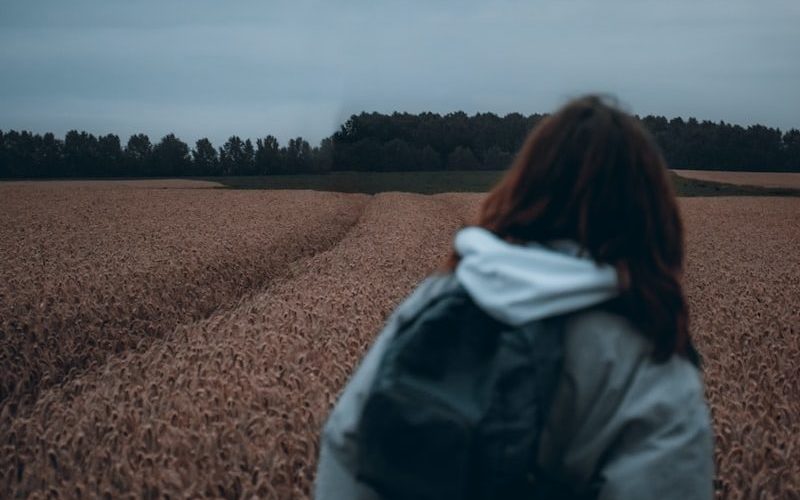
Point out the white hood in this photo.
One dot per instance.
(516, 284)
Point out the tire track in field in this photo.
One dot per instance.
(120, 273)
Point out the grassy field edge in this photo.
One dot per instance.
(455, 181)
(421, 182)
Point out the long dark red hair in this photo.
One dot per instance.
(591, 173)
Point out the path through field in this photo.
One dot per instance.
(191, 341)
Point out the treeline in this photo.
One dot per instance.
(428, 141)
(377, 142)
(80, 154)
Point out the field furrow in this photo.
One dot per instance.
(102, 271)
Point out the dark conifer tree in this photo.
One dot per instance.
(231, 156)
(268, 156)
(138, 156)
(171, 157)
(205, 160)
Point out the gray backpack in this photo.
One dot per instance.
(458, 403)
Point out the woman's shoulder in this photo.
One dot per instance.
(616, 401)
(610, 379)
(604, 348)
(608, 333)
(598, 337)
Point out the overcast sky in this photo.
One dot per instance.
(216, 68)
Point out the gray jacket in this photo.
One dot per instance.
(620, 424)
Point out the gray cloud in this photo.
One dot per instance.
(208, 68)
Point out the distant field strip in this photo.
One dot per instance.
(119, 183)
(762, 179)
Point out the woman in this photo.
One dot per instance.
(584, 226)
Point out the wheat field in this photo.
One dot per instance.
(164, 340)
